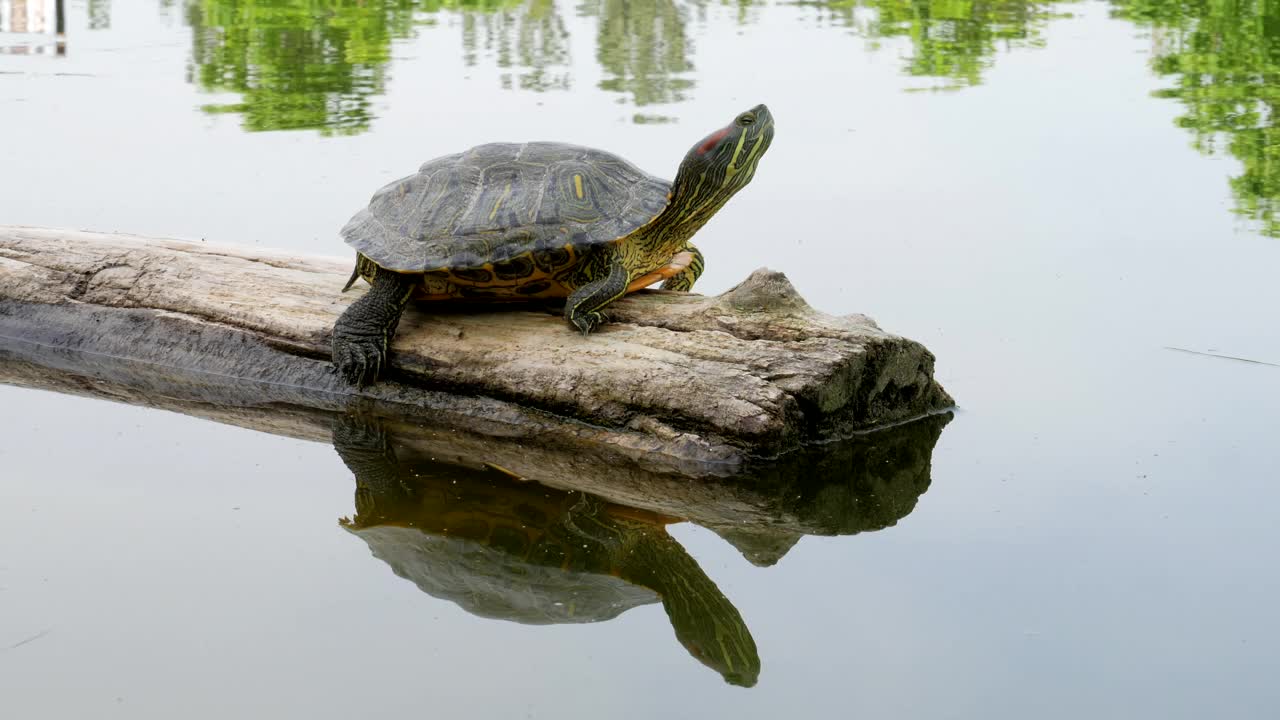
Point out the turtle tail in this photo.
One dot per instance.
(355, 275)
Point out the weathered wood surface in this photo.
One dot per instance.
(677, 381)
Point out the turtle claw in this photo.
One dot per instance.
(358, 360)
(588, 321)
(361, 431)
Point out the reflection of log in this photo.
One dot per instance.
(864, 483)
(677, 378)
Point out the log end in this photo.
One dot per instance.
(764, 291)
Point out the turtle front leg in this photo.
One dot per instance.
(363, 333)
(604, 278)
(684, 280)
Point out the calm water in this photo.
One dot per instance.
(1050, 196)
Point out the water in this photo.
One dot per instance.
(1050, 196)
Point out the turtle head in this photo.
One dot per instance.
(705, 621)
(721, 164)
(721, 642)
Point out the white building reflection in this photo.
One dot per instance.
(31, 27)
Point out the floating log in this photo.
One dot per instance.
(677, 381)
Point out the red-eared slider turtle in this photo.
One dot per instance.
(527, 553)
(508, 221)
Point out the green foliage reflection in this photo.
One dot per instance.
(1224, 59)
(296, 64)
(319, 63)
(99, 12)
(954, 41)
(300, 64)
(642, 46)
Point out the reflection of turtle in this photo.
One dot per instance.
(524, 552)
(505, 220)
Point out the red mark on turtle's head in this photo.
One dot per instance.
(712, 140)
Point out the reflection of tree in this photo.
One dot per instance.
(531, 38)
(954, 40)
(318, 63)
(99, 14)
(1224, 56)
(296, 64)
(642, 46)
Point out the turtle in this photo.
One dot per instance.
(510, 549)
(512, 221)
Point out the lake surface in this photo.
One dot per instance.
(1071, 204)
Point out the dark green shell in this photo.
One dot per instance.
(498, 201)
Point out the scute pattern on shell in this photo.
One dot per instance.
(500, 201)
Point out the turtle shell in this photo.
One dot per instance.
(497, 202)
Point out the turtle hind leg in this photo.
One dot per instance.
(684, 280)
(366, 450)
(363, 333)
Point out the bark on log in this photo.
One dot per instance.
(677, 381)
